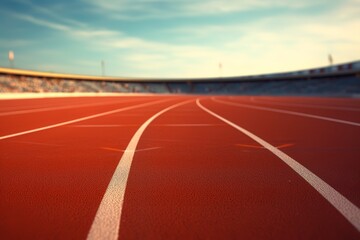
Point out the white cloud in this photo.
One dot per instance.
(159, 9)
(52, 13)
(349, 10)
(229, 6)
(257, 48)
(273, 44)
(41, 22)
(145, 58)
(91, 33)
(85, 33)
(276, 44)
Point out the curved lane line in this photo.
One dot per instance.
(106, 224)
(80, 119)
(288, 112)
(349, 210)
(304, 105)
(45, 109)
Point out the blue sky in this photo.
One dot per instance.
(178, 38)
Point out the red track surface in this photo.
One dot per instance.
(192, 176)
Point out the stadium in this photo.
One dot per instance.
(337, 80)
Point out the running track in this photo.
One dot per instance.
(180, 167)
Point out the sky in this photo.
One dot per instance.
(178, 38)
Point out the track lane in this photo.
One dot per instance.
(7, 105)
(318, 101)
(328, 149)
(342, 204)
(347, 117)
(52, 181)
(313, 105)
(192, 177)
(65, 106)
(106, 223)
(203, 182)
(14, 124)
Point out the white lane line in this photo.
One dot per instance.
(106, 224)
(16, 96)
(102, 125)
(143, 149)
(63, 107)
(304, 105)
(327, 102)
(350, 211)
(288, 112)
(137, 150)
(80, 119)
(188, 125)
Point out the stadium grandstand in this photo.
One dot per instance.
(336, 80)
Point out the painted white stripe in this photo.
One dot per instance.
(102, 126)
(188, 125)
(288, 112)
(143, 149)
(350, 211)
(137, 150)
(64, 107)
(106, 224)
(80, 119)
(304, 105)
(12, 96)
